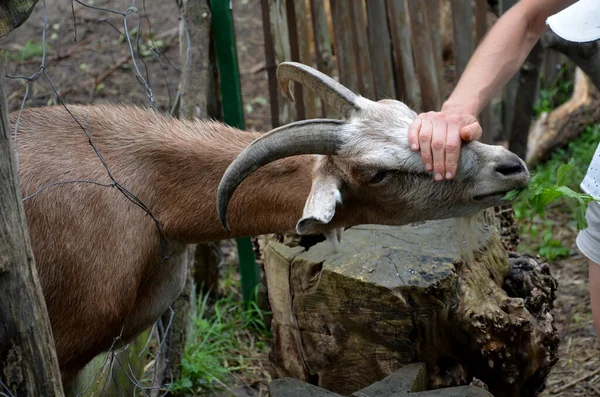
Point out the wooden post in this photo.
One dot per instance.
(407, 87)
(486, 118)
(301, 53)
(424, 55)
(323, 48)
(197, 94)
(509, 92)
(462, 26)
(271, 66)
(344, 44)
(526, 94)
(28, 363)
(381, 50)
(433, 18)
(278, 24)
(361, 51)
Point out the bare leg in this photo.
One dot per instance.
(594, 274)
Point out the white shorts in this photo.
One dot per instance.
(588, 240)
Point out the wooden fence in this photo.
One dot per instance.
(410, 50)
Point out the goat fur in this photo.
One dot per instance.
(98, 255)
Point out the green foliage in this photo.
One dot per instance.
(540, 193)
(225, 338)
(30, 49)
(553, 93)
(554, 187)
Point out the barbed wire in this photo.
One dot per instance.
(118, 345)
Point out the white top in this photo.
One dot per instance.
(579, 22)
(591, 182)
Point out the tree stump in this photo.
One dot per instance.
(398, 295)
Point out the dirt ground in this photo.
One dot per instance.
(96, 68)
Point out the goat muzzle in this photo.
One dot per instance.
(316, 136)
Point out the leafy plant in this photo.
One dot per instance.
(225, 338)
(540, 193)
(535, 207)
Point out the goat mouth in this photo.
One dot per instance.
(495, 195)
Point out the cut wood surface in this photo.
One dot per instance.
(397, 295)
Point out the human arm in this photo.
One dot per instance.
(439, 135)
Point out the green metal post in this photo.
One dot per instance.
(233, 114)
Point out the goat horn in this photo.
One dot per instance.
(335, 94)
(316, 136)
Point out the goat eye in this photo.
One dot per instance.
(379, 176)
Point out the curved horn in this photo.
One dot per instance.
(335, 94)
(316, 136)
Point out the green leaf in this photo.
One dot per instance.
(580, 217)
(570, 193)
(563, 171)
(511, 195)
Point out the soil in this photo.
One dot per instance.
(90, 64)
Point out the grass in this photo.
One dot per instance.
(226, 340)
(540, 232)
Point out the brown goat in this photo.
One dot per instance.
(98, 255)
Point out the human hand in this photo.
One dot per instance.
(439, 135)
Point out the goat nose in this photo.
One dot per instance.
(510, 167)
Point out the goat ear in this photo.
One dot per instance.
(320, 205)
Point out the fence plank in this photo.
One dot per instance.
(295, 53)
(323, 48)
(486, 118)
(525, 98)
(271, 66)
(509, 91)
(407, 87)
(361, 49)
(423, 50)
(433, 16)
(381, 50)
(462, 26)
(344, 44)
(305, 55)
(480, 20)
(280, 33)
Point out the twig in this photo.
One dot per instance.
(594, 388)
(575, 381)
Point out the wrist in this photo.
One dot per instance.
(460, 107)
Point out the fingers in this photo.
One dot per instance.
(439, 138)
(413, 134)
(471, 131)
(438, 148)
(453, 144)
(425, 143)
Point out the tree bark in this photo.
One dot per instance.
(28, 363)
(393, 297)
